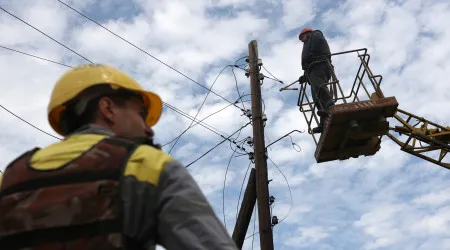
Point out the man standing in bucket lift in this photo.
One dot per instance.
(106, 185)
(317, 71)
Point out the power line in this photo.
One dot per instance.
(209, 90)
(115, 35)
(290, 193)
(237, 137)
(242, 187)
(203, 155)
(201, 106)
(240, 58)
(223, 189)
(237, 88)
(45, 35)
(295, 130)
(62, 64)
(239, 145)
(235, 79)
(274, 78)
(125, 40)
(7, 110)
(165, 103)
(201, 123)
(221, 135)
(254, 226)
(289, 187)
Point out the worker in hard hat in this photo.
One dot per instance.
(317, 67)
(103, 186)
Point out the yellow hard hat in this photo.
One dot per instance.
(74, 81)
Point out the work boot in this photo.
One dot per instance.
(323, 115)
(319, 128)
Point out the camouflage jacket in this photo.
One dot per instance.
(162, 203)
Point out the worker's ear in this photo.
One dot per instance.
(107, 109)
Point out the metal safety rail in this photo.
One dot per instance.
(305, 100)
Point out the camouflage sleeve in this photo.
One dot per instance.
(185, 218)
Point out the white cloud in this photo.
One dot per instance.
(296, 13)
(390, 200)
(434, 198)
(308, 236)
(380, 223)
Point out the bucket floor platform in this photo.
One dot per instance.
(354, 129)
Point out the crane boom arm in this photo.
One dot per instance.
(422, 138)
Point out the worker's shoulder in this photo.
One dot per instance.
(152, 155)
(318, 33)
(147, 164)
(60, 153)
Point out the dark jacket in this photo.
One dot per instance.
(313, 48)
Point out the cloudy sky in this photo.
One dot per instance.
(388, 201)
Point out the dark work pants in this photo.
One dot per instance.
(320, 74)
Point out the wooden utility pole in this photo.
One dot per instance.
(245, 212)
(262, 187)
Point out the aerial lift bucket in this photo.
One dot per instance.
(354, 127)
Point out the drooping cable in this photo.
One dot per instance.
(289, 187)
(201, 106)
(242, 188)
(207, 152)
(223, 189)
(237, 87)
(290, 193)
(198, 122)
(254, 226)
(270, 73)
(274, 78)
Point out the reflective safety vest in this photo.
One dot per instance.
(77, 206)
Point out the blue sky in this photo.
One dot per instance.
(388, 201)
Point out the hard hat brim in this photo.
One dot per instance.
(154, 107)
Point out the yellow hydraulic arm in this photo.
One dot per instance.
(422, 138)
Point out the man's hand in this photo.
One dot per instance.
(302, 79)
